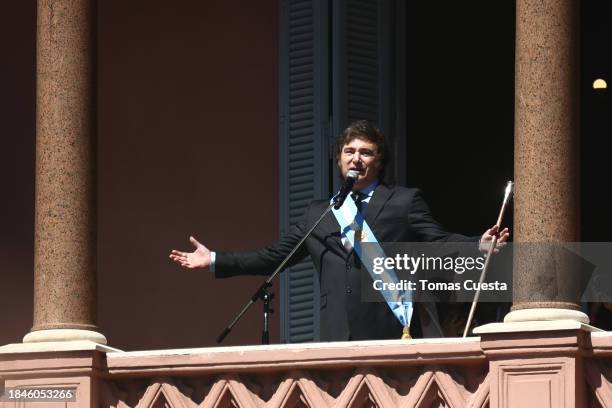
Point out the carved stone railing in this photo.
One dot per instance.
(562, 367)
(390, 373)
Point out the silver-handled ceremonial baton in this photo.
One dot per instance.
(507, 195)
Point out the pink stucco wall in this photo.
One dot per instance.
(187, 119)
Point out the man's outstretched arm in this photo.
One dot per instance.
(258, 262)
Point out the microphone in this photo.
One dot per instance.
(347, 187)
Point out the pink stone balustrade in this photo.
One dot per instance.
(551, 368)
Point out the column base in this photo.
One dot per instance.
(55, 346)
(545, 314)
(534, 326)
(55, 335)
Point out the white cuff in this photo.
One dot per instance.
(213, 258)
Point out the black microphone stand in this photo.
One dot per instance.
(262, 291)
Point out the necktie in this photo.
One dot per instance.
(358, 197)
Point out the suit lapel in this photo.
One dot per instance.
(330, 228)
(381, 195)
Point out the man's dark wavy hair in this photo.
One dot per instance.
(362, 129)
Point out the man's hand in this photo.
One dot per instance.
(487, 237)
(200, 258)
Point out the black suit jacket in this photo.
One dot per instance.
(395, 214)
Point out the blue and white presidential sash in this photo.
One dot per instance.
(357, 230)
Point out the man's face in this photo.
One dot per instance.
(362, 156)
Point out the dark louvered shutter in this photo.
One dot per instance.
(369, 70)
(304, 135)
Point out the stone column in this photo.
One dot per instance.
(546, 202)
(65, 236)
